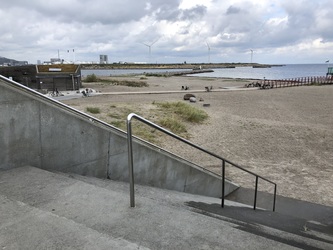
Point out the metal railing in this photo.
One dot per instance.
(149, 123)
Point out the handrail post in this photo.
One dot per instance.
(255, 194)
(223, 182)
(274, 198)
(130, 161)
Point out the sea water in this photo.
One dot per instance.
(281, 72)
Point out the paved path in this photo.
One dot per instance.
(67, 95)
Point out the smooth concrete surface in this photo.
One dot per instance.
(42, 132)
(48, 210)
(172, 172)
(19, 130)
(317, 213)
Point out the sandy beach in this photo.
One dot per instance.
(285, 135)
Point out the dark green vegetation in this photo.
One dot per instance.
(184, 111)
(93, 110)
(173, 116)
(91, 78)
(130, 83)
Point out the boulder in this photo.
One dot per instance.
(188, 96)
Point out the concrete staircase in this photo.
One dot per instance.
(315, 213)
(52, 210)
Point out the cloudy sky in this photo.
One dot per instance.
(277, 31)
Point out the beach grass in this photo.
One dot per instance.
(173, 116)
(128, 83)
(185, 111)
(173, 124)
(93, 110)
(112, 81)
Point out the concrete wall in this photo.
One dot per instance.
(38, 131)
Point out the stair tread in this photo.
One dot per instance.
(285, 205)
(162, 219)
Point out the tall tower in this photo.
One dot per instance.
(103, 59)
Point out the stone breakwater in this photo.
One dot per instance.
(180, 73)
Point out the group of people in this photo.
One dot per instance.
(86, 92)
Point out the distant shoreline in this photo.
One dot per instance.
(176, 66)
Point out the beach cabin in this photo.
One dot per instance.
(46, 77)
(59, 76)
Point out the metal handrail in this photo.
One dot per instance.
(147, 122)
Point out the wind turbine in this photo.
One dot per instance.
(251, 54)
(208, 47)
(149, 46)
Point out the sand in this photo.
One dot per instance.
(285, 135)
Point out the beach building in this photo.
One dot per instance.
(48, 77)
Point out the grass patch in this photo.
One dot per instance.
(115, 115)
(93, 110)
(158, 74)
(119, 115)
(173, 125)
(120, 82)
(91, 78)
(186, 111)
(128, 83)
(173, 116)
(118, 124)
(144, 132)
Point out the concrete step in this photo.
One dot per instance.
(41, 209)
(312, 212)
(27, 227)
(264, 223)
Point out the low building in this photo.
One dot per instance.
(48, 77)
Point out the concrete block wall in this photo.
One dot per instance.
(41, 132)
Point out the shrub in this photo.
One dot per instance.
(173, 124)
(118, 124)
(128, 83)
(91, 78)
(93, 110)
(186, 111)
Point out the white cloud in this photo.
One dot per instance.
(280, 31)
